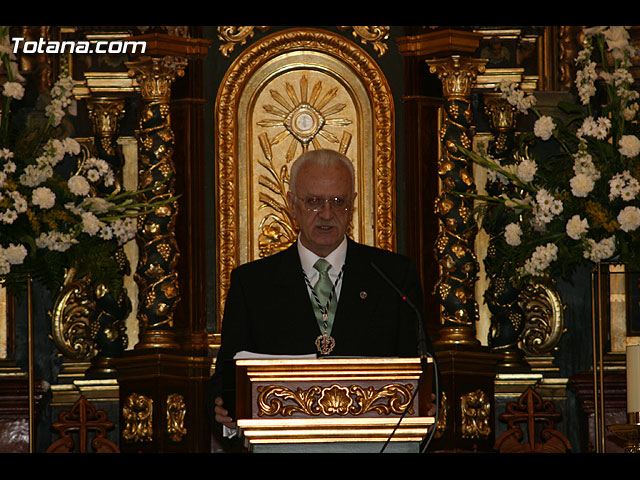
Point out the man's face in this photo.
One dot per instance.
(323, 230)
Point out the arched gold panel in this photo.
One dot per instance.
(290, 91)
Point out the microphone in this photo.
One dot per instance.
(424, 355)
(422, 339)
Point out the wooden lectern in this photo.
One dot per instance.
(333, 404)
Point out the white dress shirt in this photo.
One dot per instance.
(335, 258)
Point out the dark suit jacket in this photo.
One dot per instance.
(268, 310)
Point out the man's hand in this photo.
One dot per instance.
(222, 415)
(432, 407)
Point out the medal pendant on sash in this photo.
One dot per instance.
(325, 344)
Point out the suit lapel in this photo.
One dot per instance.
(297, 308)
(358, 293)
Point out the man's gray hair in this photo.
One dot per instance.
(323, 157)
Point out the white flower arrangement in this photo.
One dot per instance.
(51, 214)
(580, 202)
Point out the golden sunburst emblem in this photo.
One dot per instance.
(302, 117)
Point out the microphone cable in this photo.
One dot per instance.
(423, 361)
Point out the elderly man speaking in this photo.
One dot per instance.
(322, 295)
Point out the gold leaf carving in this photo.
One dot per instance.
(443, 415)
(70, 318)
(233, 36)
(475, 415)
(390, 399)
(335, 401)
(176, 412)
(376, 35)
(397, 398)
(137, 413)
(271, 401)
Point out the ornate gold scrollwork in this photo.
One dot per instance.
(457, 74)
(71, 326)
(475, 413)
(105, 115)
(376, 35)
(137, 413)
(399, 397)
(176, 412)
(233, 36)
(154, 77)
(390, 399)
(544, 314)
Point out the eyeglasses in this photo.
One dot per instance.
(315, 204)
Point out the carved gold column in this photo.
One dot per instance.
(156, 274)
(105, 113)
(467, 368)
(507, 315)
(162, 378)
(455, 245)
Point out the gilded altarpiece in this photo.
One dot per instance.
(289, 92)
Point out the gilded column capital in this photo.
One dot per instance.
(457, 74)
(501, 114)
(105, 114)
(155, 75)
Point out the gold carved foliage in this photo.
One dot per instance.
(238, 35)
(443, 415)
(233, 35)
(176, 412)
(376, 35)
(391, 399)
(475, 415)
(71, 327)
(544, 319)
(455, 253)
(137, 413)
(105, 115)
(156, 275)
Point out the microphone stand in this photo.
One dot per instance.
(424, 355)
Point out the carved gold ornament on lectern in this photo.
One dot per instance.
(390, 399)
